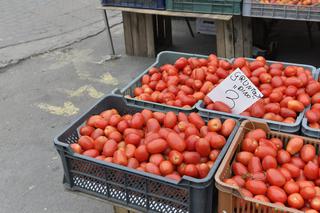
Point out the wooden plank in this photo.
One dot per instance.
(135, 34)
(168, 30)
(247, 36)
(238, 36)
(151, 52)
(229, 42)
(169, 13)
(142, 34)
(127, 32)
(221, 47)
(226, 202)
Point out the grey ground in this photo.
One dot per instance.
(43, 94)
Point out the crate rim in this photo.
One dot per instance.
(207, 180)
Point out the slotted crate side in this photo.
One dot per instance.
(205, 6)
(274, 125)
(254, 8)
(146, 4)
(305, 128)
(136, 189)
(164, 57)
(230, 199)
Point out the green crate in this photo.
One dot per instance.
(205, 6)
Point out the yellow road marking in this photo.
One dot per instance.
(68, 109)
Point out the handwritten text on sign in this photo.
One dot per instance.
(237, 91)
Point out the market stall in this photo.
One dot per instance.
(200, 133)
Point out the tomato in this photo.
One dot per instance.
(114, 120)
(294, 145)
(132, 138)
(122, 125)
(240, 181)
(166, 167)
(304, 98)
(217, 141)
(191, 142)
(295, 105)
(285, 112)
(277, 142)
(176, 157)
(86, 142)
(308, 192)
(269, 162)
(157, 146)
(291, 91)
(257, 134)
(312, 116)
(313, 88)
(256, 187)
(181, 63)
(191, 130)
(96, 133)
(276, 194)
(86, 130)
(220, 106)
(152, 125)
(294, 170)
(109, 148)
(91, 153)
(275, 177)
(214, 154)
(170, 120)
(76, 148)
(141, 153)
(262, 151)
(257, 110)
(159, 116)
(272, 107)
(203, 170)
(315, 203)
(244, 157)
(92, 119)
(119, 157)
(203, 147)
(283, 156)
(276, 97)
(130, 150)
(249, 144)
(191, 170)
(254, 165)
(316, 98)
(152, 168)
(191, 157)
(295, 200)
(231, 182)
(195, 119)
(258, 176)
(239, 169)
(307, 152)
(291, 187)
(115, 135)
(176, 142)
(99, 143)
(133, 163)
(227, 127)
(174, 176)
(214, 125)
(311, 170)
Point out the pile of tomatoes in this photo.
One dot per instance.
(287, 90)
(160, 143)
(313, 115)
(267, 171)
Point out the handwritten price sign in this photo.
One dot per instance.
(237, 91)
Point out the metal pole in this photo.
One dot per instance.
(109, 32)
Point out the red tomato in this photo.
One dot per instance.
(86, 142)
(227, 127)
(240, 181)
(159, 116)
(262, 151)
(291, 187)
(152, 168)
(195, 119)
(276, 194)
(239, 169)
(296, 201)
(175, 157)
(117, 136)
(308, 192)
(119, 157)
(214, 154)
(311, 171)
(244, 157)
(254, 165)
(294, 170)
(312, 116)
(191, 157)
(137, 121)
(156, 159)
(256, 187)
(170, 120)
(181, 63)
(86, 130)
(152, 125)
(91, 153)
(157, 146)
(307, 152)
(249, 144)
(217, 141)
(174, 176)
(76, 148)
(275, 177)
(141, 153)
(214, 125)
(130, 150)
(269, 162)
(166, 167)
(132, 138)
(99, 143)
(191, 170)
(315, 203)
(203, 147)
(203, 170)
(191, 142)
(133, 163)
(220, 106)
(304, 98)
(283, 156)
(294, 145)
(176, 142)
(285, 172)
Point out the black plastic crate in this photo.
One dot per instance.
(135, 189)
(146, 4)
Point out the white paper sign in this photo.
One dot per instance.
(237, 91)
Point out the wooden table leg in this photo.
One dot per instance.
(139, 34)
(234, 37)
